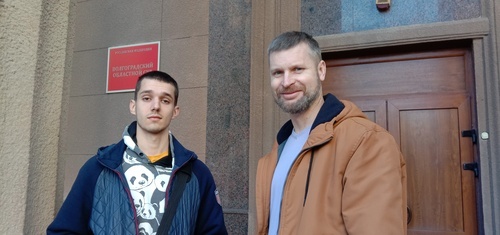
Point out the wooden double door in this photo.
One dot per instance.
(423, 95)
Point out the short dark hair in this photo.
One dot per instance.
(159, 76)
(291, 39)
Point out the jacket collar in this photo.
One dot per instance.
(330, 109)
(112, 156)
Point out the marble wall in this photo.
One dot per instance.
(323, 17)
(228, 107)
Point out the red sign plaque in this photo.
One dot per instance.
(127, 63)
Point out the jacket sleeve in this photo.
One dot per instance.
(374, 198)
(210, 216)
(74, 215)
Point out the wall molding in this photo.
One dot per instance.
(404, 35)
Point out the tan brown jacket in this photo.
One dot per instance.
(356, 185)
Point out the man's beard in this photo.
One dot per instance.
(300, 105)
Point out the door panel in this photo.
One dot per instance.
(439, 191)
(423, 97)
(425, 73)
(375, 110)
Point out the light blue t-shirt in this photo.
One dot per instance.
(290, 152)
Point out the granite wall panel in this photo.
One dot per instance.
(324, 17)
(228, 106)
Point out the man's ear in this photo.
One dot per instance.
(177, 111)
(322, 70)
(132, 107)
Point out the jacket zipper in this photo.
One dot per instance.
(308, 177)
(129, 194)
(311, 148)
(130, 200)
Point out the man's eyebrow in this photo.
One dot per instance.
(151, 91)
(168, 94)
(145, 91)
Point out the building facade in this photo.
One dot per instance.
(426, 70)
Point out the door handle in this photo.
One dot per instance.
(472, 166)
(470, 133)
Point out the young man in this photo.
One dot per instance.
(331, 170)
(128, 187)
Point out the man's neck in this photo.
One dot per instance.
(153, 144)
(306, 118)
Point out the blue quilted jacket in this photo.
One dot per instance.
(100, 201)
